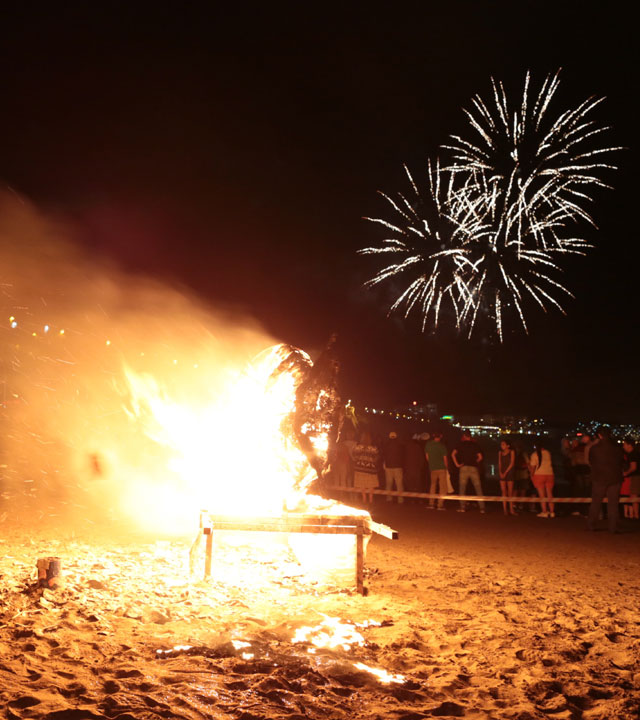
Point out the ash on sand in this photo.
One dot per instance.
(484, 616)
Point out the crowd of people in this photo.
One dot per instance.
(592, 467)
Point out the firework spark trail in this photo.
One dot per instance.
(540, 169)
(499, 216)
(428, 245)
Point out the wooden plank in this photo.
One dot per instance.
(302, 519)
(193, 552)
(384, 530)
(357, 525)
(208, 553)
(288, 528)
(360, 563)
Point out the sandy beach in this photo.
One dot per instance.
(473, 616)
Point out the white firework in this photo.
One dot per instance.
(490, 235)
(536, 170)
(427, 248)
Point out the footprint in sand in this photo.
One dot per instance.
(577, 653)
(111, 687)
(66, 675)
(73, 690)
(448, 709)
(26, 701)
(529, 655)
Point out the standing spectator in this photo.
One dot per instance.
(521, 476)
(581, 470)
(606, 477)
(506, 470)
(543, 479)
(625, 491)
(414, 466)
(467, 458)
(366, 458)
(632, 475)
(393, 457)
(565, 452)
(423, 439)
(436, 453)
(343, 463)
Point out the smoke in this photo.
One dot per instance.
(72, 328)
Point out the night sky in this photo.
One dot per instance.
(236, 150)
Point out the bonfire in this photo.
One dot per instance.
(274, 456)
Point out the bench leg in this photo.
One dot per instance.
(208, 552)
(360, 562)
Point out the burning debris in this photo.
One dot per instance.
(316, 417)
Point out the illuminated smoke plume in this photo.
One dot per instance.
(492, 232)
(74, 331)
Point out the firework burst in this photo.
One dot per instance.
(535, 169)
(427, 246)
(498, 220)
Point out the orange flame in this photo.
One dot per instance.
(228, 454)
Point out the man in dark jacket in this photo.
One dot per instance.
(393, 457)
(467, 457)
(606, 460)
(414, 466)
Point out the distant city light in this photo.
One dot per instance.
(495, 426)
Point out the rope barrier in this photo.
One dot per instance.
(472, 498)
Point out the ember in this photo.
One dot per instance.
(331, 633)
(382, 675)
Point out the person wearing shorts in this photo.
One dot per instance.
(366, 458)
(467, 458)
(543, 479)
(522, 478)
(506, 468)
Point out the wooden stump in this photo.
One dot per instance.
(49, 571)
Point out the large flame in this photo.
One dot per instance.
(231, 454)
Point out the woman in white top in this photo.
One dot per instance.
(542, 477)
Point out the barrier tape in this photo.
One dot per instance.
(472, 498)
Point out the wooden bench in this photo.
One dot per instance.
(358, 525)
